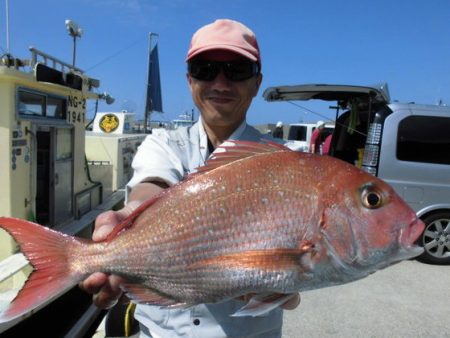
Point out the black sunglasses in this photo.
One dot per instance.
(204, 70)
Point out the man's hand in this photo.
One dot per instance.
(292, 303)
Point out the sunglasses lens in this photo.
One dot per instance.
(203, 70)
(240, 70)
(235, 70)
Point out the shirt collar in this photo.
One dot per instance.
(236, 135)
(204, 137)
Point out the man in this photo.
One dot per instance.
(223, 75)
(278, 132)
(327, 144)
(316, 138)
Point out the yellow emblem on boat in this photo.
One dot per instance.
(108, 123)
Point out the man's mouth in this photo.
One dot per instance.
(220, 99)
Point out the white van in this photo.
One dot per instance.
(405, 144)
(299, 136)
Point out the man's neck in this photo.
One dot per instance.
(217, 135)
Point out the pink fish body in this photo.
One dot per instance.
(258, 218)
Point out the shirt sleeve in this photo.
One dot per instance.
(155, 160)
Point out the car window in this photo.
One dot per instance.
(297, 133)
(424, 139)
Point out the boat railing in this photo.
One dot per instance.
(11, 265)
(51, 61)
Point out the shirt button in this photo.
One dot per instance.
(196, 321)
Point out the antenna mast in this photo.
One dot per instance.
(148, 100)
(7, 26)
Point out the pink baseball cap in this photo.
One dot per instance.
(227, 35)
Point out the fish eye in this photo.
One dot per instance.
(371, 198)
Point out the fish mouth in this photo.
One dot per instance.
(411, 233)
(408, 253)
(408, 236)
(404, 249)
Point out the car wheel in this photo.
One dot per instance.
(436, 239)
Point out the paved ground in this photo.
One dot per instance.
(410, 299)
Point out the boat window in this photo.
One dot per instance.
(31, 104)
(424, 139)
(35, 104)
(55, 107)
(63, 143)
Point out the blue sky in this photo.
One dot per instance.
(405, 43)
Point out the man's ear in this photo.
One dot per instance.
(189, 80)
(257, 83)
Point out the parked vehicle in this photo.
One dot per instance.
(299, 136)
(406, 144)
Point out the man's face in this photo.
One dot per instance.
(223, 102)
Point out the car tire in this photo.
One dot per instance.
(435, 239)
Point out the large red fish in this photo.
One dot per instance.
(258, 218)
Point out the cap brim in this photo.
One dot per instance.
(233, 49)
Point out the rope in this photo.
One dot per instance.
(129, 319)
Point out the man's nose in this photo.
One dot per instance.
(221, 79)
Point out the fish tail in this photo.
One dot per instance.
(48, 252)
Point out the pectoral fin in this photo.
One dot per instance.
(127, 223)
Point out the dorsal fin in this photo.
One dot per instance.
(233, 150)
(128, 222)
